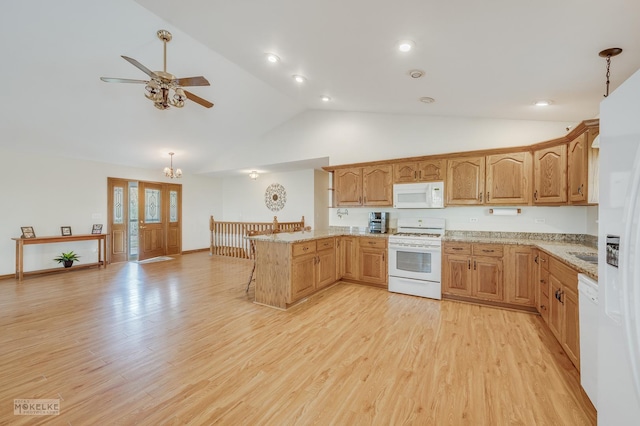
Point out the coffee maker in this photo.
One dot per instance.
(378, 222)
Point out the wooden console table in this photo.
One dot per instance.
(21, 242)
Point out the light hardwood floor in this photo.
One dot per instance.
(179, 342)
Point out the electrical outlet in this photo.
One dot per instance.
(473, 219)
(539, 220)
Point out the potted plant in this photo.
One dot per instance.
(67, 259)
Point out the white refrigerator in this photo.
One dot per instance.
(619, 257)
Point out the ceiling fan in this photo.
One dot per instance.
(164, 89)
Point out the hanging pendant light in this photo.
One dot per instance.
(609, 53)
(170, 171)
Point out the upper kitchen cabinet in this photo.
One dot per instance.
(582, 169)
(508, 178)
(418, 171)
(363, 186)
(465, 181)
(550, 175)
(348, 187)
(377, 186)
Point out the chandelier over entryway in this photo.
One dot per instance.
(170, 171)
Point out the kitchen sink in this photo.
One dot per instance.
(587, 257)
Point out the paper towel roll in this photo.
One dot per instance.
(505, 212)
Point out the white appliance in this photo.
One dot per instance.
(415, 257)
(423, 195)
(619, 286)
(588, 308)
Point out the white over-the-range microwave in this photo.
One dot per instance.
(423, 195)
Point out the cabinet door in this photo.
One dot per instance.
(465, 181)
(550, 175)
(456, 275)
(555, 307)
(488, 281)
(509, 178)
(544, 301)
(431, 170)
(348, 187)
(571, 323)
(326, 267)
(303, 276)
(373, 266)
(377, 187)
(349, 258)
(405, 172)
(520, 276)
(577, 160)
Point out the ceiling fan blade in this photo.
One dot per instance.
(122, 80)
(192, 81)
(197, 99)
(141, 67)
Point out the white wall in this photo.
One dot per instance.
(570, 220)
(48, 193)
(243, 198)
(353, 137)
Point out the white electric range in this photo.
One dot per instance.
(415, 257)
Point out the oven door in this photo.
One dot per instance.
(418, 263)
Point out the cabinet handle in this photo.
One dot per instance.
(383, 257)
(360, 200)
(372, 242)
(415, 174)
(560, 298)
(480, 197)
(542, 281)
(488, 198)
(420, 174)
(543, 307)
(580, 189)
(457, 248)
(535, 195)
(488, 251)
(305, 248)
(535, 259)
(474, 265)
(542, 259)
(469, 266)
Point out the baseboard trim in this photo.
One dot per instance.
(195, 251)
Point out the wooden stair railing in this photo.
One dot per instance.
(228, 238)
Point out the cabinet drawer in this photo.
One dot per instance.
(543, 259)
(566, 275)
(457, 248)
(327, 243)
(493, 250)
(373, 242)
(303, 248)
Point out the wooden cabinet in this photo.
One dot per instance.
(373, 261)
(326, 263)
(312, 267)
(473, 270)
(520, 275)
(348, 187)
(508, 179)
(497, 179)
(563, 308)
(303, 276)
(349, 258)
(550, 175)
(465, 181)
(364, 186)
(582, 165)
(542, 284)
(418, 171)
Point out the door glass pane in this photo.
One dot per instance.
(133, 219)
(118, 205)
(173, 206)
(152, 206)
(413, 262)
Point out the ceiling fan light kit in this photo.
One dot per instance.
(165, 89)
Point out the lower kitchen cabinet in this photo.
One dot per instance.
(303, 276)
(348, 258)
(473, 270)
(541, 280)
(312, 267)
(373, 261)
(520, 274)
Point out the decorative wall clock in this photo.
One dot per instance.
(275, 197)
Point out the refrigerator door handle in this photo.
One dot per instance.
(630, 273)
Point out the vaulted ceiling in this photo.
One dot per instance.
(480, 59)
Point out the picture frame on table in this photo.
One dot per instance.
(97, 228)
(27, 232)
(66, 231)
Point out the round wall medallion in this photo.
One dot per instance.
(275, 197)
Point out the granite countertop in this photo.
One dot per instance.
(296, 237)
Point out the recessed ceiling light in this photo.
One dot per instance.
(543, 103)
(427, 100)
(298, 78)
(416, 73)
(406, 45)
(273, 58)
(325, 98)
